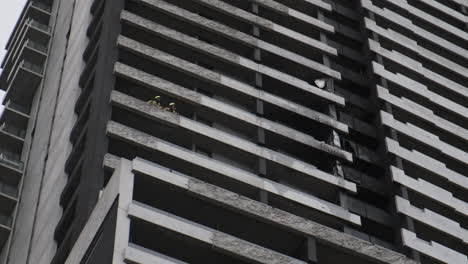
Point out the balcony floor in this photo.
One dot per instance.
(23, 86)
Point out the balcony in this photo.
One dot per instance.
(7, 206)
(23, 82)
(11, 170)
(41, 6)
(34, 31)
(32, 51)
(13, 131)
(11, 140)
(11, 160)
(4, 234)
(8, 191)
(157, 225)
(15, 114)
(39, 30)
(20, 109)
(32, 45)
(33, 10)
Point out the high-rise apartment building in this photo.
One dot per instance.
(235, 131)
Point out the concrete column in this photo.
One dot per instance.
(464, 11)
(195, 115)
(405, 221)
(97, 141)
(331, 109)
(122, 234)
(309, 251)
(259, 108)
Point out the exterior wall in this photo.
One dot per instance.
(39, 210)
(307, 132)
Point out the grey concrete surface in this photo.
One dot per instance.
(138, 138)
(233, 34)
(271, 215)
(158, 84)
(144, 109)
(433, 249)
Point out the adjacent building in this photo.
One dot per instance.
(235, 131)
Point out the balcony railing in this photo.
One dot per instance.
(22, 109)
(5, 220)
(13, 130)
(36, 46)
(39, 25)
(9, 190)
(41, 6)
(32, 67)
(29, 66)
(11, 160)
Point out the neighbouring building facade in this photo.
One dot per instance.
(235, 131)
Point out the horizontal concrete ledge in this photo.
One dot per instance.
(432, 249)
(447, 10)
(217, 52)
(9, 137)
(417, 67)
(422, 113)
(408, 43)
(195, 98)
(192, 69)
(424, 137)
(110, 162)
(432, 219)
(219, 241)
(428, 18)
(418, 31)
(285, 10)
(140, 255)
(288, 11)
(461, 2)
(420, 89)
(270, 215)
(430, 191)
(317, 3)
(427, 163)
(266, 24)
(148, 142)
(231, 33)
(144, 109)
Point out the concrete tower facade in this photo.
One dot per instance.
(235, 131)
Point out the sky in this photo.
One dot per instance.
(9, 12)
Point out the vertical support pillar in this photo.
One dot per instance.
(331, 109)
(464, 11)
(122, 227)
(259, 108)
(334, 138)
(100, 113)
(309, 251)
(406, 221)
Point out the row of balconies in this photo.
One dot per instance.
(427, 115)
(27, 52)
(33, 11)
(210, 49)
(64, 235)
(149, 77)
(422, 39)
(157, 225)
(22, 73)
(11, 160)
(11, 169)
